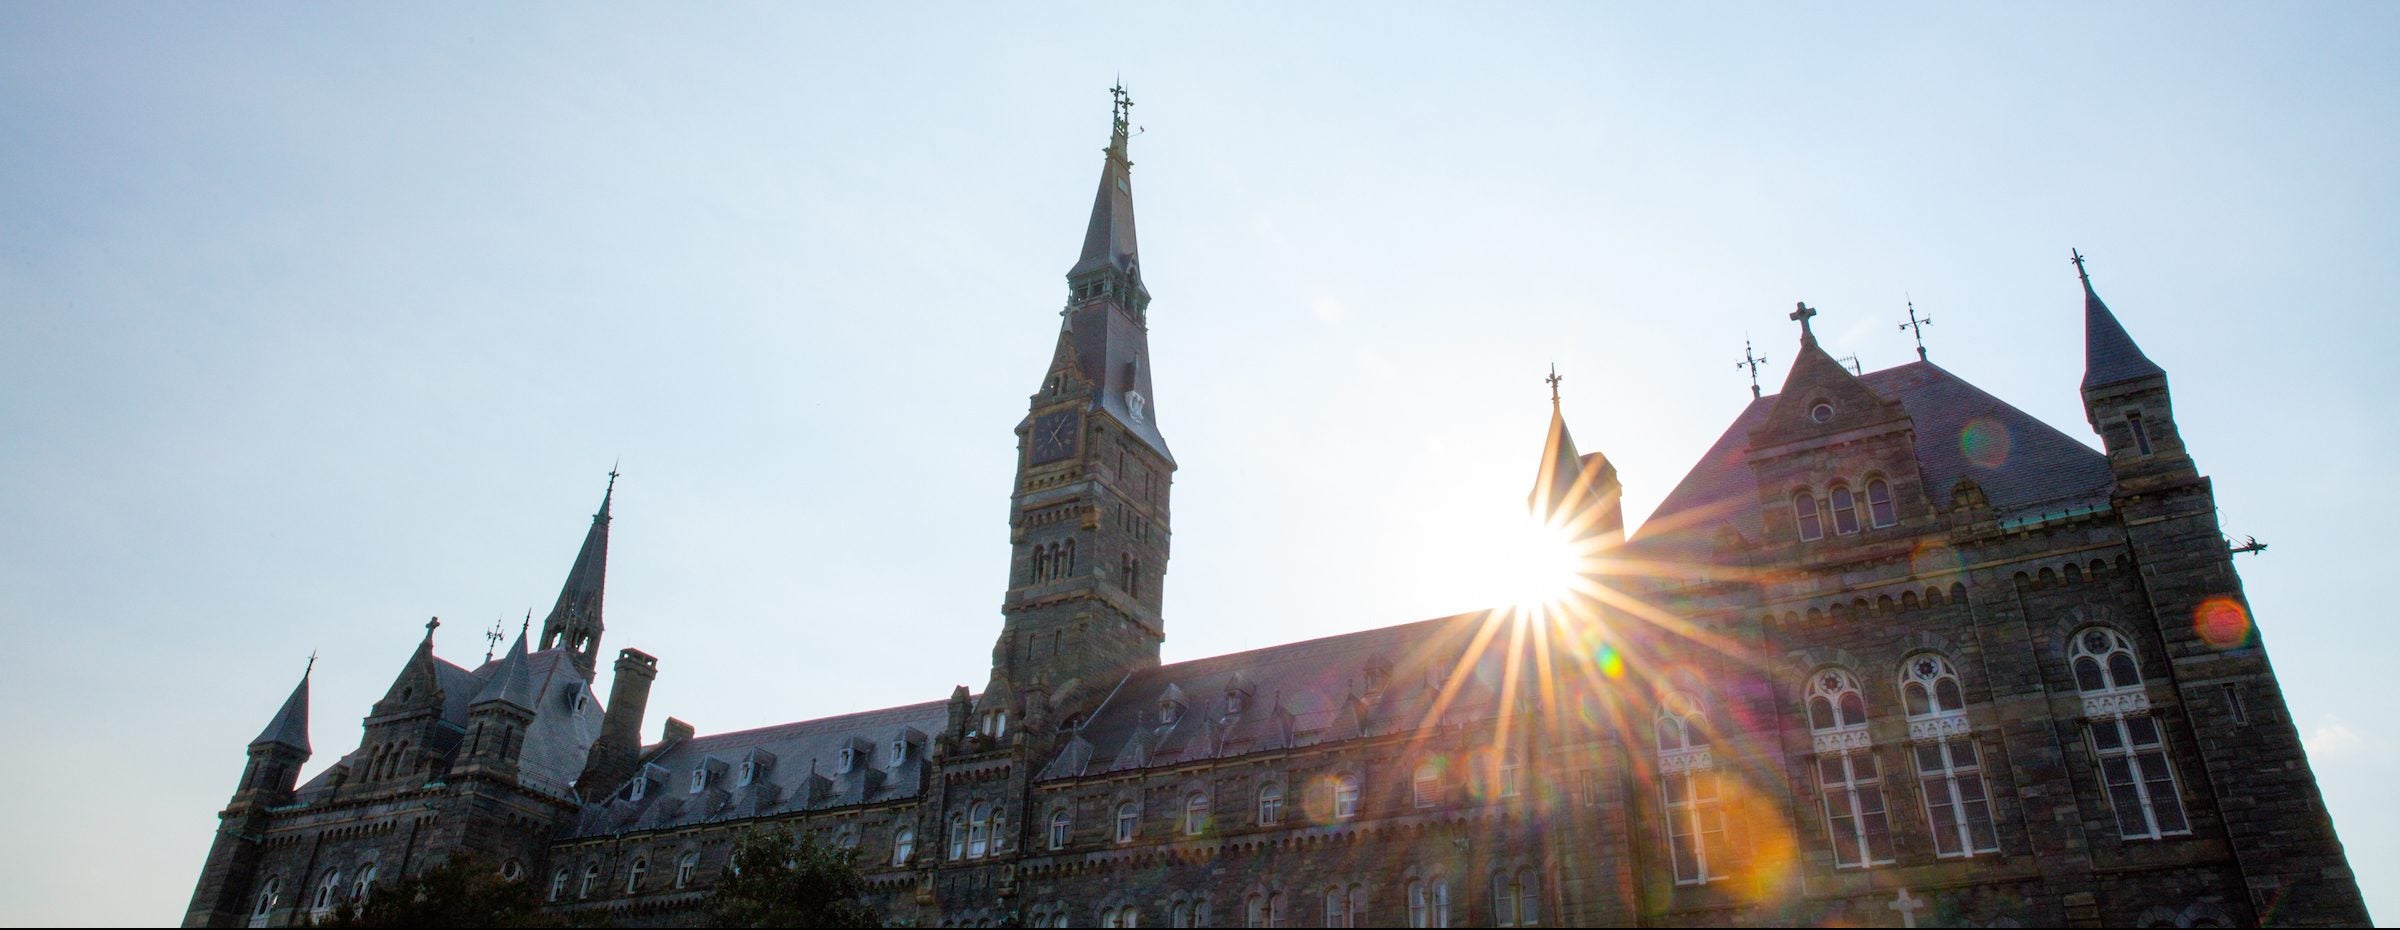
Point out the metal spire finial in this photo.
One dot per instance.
(491, 640)
(1919, 326)
(612, 477)
(312, 664)
(2077, 259)
(1751, 360)
(1554, 379)
(1120, 115)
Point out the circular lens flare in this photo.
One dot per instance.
(2221, 623)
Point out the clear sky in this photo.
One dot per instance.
(316, 321)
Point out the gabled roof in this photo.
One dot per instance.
(2023, 464)
(566, 719)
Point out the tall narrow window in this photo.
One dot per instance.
(1337, 907)
(1512, 774)
(262, 907)
(2125, 738)
(1529, 898)
(1195, 814)
(1804, 510)
(1879, 503)
(1127, 819)
(2141, 434)
(1504, 900)
(1254, 910)
(1069, 559)
(979, 831)
(1845, 509)
(1956, 806)
(958, 836)
(1688, 780)
(329, 890)
(1849, 777)
(1041, 564)
(1059, 824)
(1345, 797)
(364, 884)
(1270, 804)
(685, 869)
(904, 846)
(1427, 786)
(635, 874)
(591, 880)
(1416, 903)
(558, 884)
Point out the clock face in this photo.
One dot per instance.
(1054, 436)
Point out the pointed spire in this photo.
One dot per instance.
(1571, 489)
(1108, 242)
(290, 726)
(511, 683)
(2109, 355)
(575, 620)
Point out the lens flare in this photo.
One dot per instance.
(1984, 441)
(2221, 623)
(1543, 563)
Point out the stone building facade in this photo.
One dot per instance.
(1893, 653)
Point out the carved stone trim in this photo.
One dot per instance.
(2114, 705)
(1843, 740)
(1679, 761)
(1933, 728)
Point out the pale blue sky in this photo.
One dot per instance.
(318, 320)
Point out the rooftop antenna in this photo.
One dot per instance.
(1750, 360)
(1851, 361)
(1918, 325)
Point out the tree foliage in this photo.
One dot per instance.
(775, 881)
(462, 892)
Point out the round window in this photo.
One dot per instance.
(1822, 412)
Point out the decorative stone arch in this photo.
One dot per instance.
(2159, 916)
(1911, 642)
(2204, 914)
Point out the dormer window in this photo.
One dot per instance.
(899, 749)
(749, 773)
(849, 759)
(1377, 675)
(700, 778)
(1170, 706)
(639, 787)
(575, 699)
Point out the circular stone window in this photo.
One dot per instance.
(1821, 413)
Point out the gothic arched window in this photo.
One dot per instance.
(2104, 662)
(1695, 818)
(364, 884)
(686, 868)
(979, 830)
(1834, 702)
(958, 836)
(1195, 814)
(558, 884)
(1270, 804)
(1060, 823)
(635, 874)
(1128, 818)
(1929, 687)
(270, 894)
(591, 880)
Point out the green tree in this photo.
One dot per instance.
(775, 881)
(462, 892)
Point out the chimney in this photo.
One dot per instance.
(619, 747)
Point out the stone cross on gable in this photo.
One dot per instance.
(1908, 905)
(1801, 312)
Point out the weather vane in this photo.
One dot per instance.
(491, 641)
(1751, 360)
(1919, 326)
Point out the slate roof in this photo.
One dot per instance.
(2023, 464)
(290, 725)
(565, 722)
(2109, 355)
(802, 772)
(1296, 694)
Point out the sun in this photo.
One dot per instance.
(1542, 562)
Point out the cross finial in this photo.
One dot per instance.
(612, 476)
(527, 626)
(1801, 311)
(1554, 379)
(1751, 360)
(2077, 259)
(491, 640)
(430, 625)
(1919, 326)
(1120, 111)
(312, 664)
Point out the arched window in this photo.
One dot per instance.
(1195, 814)
(1345, 796)
(1060, 823)
(958, 836)
(634, 875)
(1695, 818)
(1254, 910)
(329, 890)
(846, 838)
(364, 884)
(591, 880)
(270, 895)
(1270, 804)
(686, 868)
(1183, 915)
(1068, 559)
(558, 884)
(979, 830)
(1427, 786)
(1337, 906)
(2104, 662)
(1929, 687)
(1834, 702)
(1127, 819)
(1041, 564)
(1804, 510)
(1879, 503)
(1845, 509)
(904, 845)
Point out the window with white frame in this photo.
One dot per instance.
(686, 869)
(1128, 818)
(363, 884)
(1688, 780)
(700, 777)
(1845, 508)
(1184, 914)
(1270, 804)
(1849, 775)
(2125, 738)
(1426, 787)
(1958, 807)
(1345, 796)
(634, 874)
(1060, 824)
(979, 830)
(1512, 774)
(1337, 906)
(1804, 515)
(958, 836)
(1880, 511)
(329, 892)
(591, 880)
(1195, 814)
(899, 749)
(904, 845)
(1429, 902)
(1516, 898)
(262, 906)
(558, 884)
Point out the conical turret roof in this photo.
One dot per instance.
(290, 725)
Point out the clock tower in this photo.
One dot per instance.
(1088, 513)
